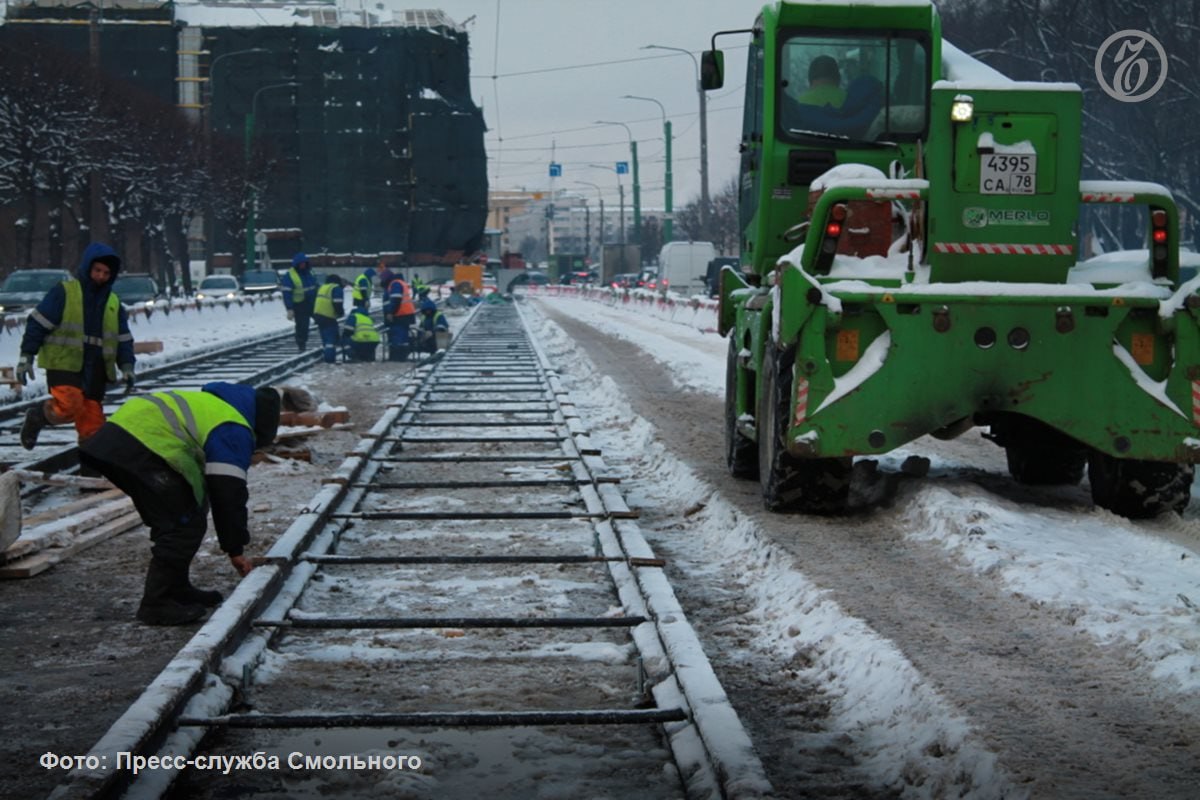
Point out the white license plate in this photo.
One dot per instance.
(1004, 173)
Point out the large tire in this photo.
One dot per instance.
(741, 453)
(1139, 489)
(809, 485)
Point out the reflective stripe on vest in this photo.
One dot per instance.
(63, 347)
(364, 329)
(179, 429)
(299, 290)
(324, 305)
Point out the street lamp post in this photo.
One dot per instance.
(667, 216)
(250, 219)
(620, 194)
(600, 230)
(704, 198)
(207, 106)
(637, 189)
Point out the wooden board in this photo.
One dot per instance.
(44, 560)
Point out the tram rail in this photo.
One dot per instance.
(469, 581)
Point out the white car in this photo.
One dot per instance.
(217, 286)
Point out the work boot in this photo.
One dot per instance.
(35, 420)
(209, 598)
(159, 606)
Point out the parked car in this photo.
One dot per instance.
(712, 278)
(218, 286)
(626, 280)
(136, 288)
(260, 281)
(25, 288)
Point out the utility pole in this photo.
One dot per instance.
(704, 196)
(637, 187)
(97, 219)
(668, 218)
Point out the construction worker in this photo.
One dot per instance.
(80, 334)
(420, 288)
(361, 289)
(327, 310)
(177, 454)
(400, 314)
(432, 322)
(385, 276)
(361, 335)
(299, 295)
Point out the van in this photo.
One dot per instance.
(683, 266)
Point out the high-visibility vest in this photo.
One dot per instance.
(63, 347)
(405, 306)
(362, 289)
(175, 426)
(364, 328)
(299, 290)
(324, 304)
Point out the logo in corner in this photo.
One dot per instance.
(974, 217)
(1129, 66)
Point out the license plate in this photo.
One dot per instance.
(1003, 173)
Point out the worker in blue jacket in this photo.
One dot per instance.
(178, 454)
(327, 311)
(360, 334)
(431, 321)
(360, 290)
(79, 334)
(299, 296)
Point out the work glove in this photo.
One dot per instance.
(25, 369)
(127, 375)
(242, 564)
(291, 315)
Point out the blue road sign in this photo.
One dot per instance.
(555, 170)
(622, 167)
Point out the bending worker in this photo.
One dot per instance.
(299, 296)
(176, 454)
(327, 310)
(361, 334)
(79, 333)
(432, 322)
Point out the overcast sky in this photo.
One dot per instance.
(561, 65)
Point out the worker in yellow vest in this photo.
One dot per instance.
(361, 289)
(326, 312)
(80, 335)
(299, 296)
(359, 331)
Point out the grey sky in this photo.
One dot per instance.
(551, 110)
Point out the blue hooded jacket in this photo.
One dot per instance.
(307, 279)
(49, 313)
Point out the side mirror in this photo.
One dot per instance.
(712, 69)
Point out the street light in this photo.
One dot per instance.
(207, 107)
(667, 218)
(703, 130)
(250, 221)
(637, 189)
(587, 220)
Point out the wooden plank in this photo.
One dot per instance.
(57, 479)
(40, 562)
(72, 507)
(147, 347)
(58, 532)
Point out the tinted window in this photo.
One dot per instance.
(219, 282)
(261, 277)
(135, 285)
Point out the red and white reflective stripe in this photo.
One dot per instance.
(1196, 402)
(801, 402)
(1108, 197)
(973, 248)
(895, 194)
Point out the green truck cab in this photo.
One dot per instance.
(910, 266)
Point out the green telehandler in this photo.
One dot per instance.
(910, 265)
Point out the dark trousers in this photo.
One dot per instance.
(328, 328)
(163, 499)
(363, 351)
(398, 337)
(303, 315)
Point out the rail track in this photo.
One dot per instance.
(467, 607)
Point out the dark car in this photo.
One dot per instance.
(581, 277)
(626, 280)
(260, 281)
(136, 289)
(25, 288)
(713, 277)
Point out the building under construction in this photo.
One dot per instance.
(375, 143)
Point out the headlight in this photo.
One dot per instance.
(962, 109)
